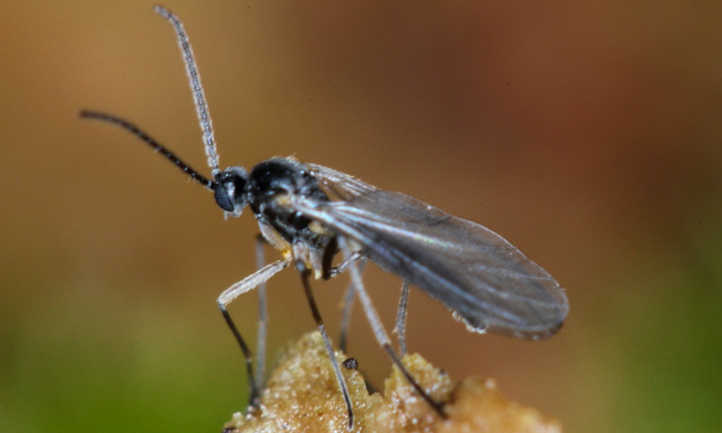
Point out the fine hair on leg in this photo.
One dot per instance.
(305, 273)
(262, 317)
(400, 327)
(380, 333)
(229, 295)
(341, 268)
(348, 302)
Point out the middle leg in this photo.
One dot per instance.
(305, 273)
(380, 333)
(348, 301)
(400, 328)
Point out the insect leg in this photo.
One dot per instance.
(262, 316)
(305, 273)
(348, 301)
(334, 271)
(246, 285)
(400, 328)
(380, 333)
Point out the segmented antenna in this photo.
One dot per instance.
(89, 114)
(194, 79)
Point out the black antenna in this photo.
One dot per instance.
(89, 114)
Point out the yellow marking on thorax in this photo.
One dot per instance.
(275, 239)
(318, 228)
(287, 251)
(283, 200)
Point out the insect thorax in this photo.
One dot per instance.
(272, 185)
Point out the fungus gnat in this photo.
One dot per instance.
(310, 213)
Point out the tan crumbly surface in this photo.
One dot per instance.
(302, 395)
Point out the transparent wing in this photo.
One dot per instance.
(343, 185)
(482, 278)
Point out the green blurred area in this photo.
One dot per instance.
(80, 382)
(587, 134)
(670, 357)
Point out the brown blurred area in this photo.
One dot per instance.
(587, 134)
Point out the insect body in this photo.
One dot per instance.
(272, 188)
(311, 213)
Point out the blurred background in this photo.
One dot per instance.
(587, 134)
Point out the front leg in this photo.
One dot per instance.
(230, 294)
(262, 315)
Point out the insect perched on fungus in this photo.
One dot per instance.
(310, 213)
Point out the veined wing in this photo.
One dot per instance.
(482, 278)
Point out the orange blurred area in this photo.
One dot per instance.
(587, 134)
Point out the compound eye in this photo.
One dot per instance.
(230, 189)
(223, 198)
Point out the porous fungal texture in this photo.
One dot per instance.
(302, 395)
